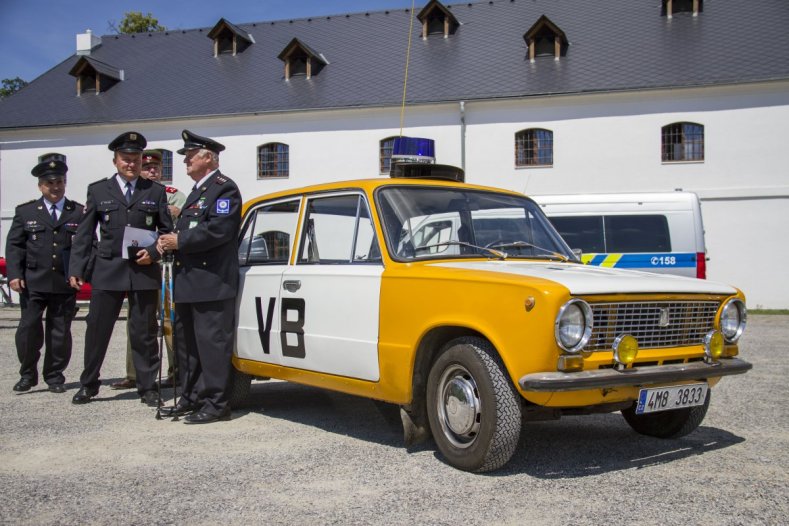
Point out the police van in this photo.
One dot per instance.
(656, 232)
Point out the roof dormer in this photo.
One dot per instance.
(300, 59)
(437, 20)
(229, 38)
(672, 7)
(94, 75)
(545, 39)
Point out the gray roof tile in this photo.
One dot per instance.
(613, 45)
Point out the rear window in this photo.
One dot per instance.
(620, 233)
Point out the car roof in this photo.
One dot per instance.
(369, 186)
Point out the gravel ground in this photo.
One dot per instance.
(301, 455)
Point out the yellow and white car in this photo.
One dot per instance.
(464, 306)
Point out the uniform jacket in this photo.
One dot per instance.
(206, 262)
(38, 248)
(106, 208)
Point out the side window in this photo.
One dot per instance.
(637, 233)
(584, 232)
(338, 230)
(268, 234)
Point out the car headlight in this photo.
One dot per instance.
(733, 319)
(573, 326)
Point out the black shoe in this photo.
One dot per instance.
(24, 384)
(178, 410)
(151, 398)
(57, 388)
(166, 383)
(126, 383)
(202, 417)
(84, 395)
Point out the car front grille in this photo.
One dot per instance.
(655, 324)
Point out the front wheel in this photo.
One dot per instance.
(667, 424)
(474, 412)
(240, 384)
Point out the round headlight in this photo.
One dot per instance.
(573, 326)
(733, 319)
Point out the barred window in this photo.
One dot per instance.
(534, 147)
(682, 141)
(167, 165)
(273, 160)
(385, 155)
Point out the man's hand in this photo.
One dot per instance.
(75, 282)
(174, 211)
(167, 242)
(17, 285)
(143, 258)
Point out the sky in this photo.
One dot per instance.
(37, 35)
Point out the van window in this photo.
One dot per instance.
(613, 234)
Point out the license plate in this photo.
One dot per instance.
(667, 398)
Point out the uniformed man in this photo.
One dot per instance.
(114, 204)
(152, 169)
(37, 252)
(206, 283)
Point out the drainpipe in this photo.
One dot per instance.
(463, 135)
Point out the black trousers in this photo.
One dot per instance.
(105, 306)
(54, 336)
(204, 338)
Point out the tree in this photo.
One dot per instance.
(11, 86)
(136, 22)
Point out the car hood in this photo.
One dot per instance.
(587, 279)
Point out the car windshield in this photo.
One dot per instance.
(435, 222)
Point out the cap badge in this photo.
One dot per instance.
(184, 135)
(133, 136)
(52, 164)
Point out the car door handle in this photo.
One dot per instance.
(291, 285)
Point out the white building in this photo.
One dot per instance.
(538, 96)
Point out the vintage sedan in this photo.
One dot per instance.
(463, 305)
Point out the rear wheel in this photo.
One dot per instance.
(474, 412)
(667, 424)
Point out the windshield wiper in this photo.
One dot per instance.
(495, 253)
(524, 244)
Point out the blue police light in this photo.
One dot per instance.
(413, 150)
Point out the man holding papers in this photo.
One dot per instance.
(130, 211)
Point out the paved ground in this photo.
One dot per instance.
(300, 455)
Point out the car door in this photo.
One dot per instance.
(265, 247)
(330, 298)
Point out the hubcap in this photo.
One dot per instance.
(459, 410)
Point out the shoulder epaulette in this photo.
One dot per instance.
(171, 189)
(97, 182)
(220, 179)
(26, 203)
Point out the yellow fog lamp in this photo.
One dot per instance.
(625, 349)
(713, 346)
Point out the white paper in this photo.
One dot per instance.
(137, 237)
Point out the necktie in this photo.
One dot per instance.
(128, 192)
(54, 213)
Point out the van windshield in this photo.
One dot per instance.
(427, 222)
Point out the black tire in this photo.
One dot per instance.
(667, 424)
(477, 428)
(240, 384)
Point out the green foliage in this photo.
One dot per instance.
(11, 86)
(136, 22)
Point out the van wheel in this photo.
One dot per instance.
(667, 424)
(240, 384)
(474, 412)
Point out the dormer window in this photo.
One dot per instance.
(672, 7)
(545, 39)
(437, 20)
(229, 39)
(94, 76)
(300, 59)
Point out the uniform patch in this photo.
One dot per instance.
(223, 206)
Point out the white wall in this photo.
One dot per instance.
(602, 143)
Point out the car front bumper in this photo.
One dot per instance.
(637, 376)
